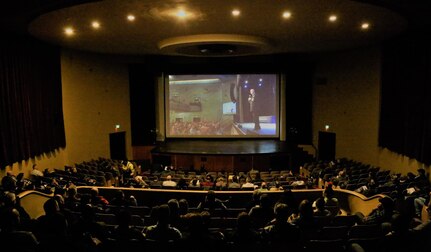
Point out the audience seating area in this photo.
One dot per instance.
(341, 230)
(363, 178)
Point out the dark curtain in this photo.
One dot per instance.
(142, 84)
(405, 117)
(31, 111)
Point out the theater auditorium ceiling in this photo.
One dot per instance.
(212, 28)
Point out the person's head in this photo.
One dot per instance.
(421, 172)
(163, 214)
(329, 191)
(281, 212)
(169, 177)
(10, 220)
(335, 182)
(51, 206)
(265, 201)
(9, 182)
(252, 91)
(209, 178)
(320, 204)
(194, 181)
(243, 221)
(220, 181)
(248, 179)
(34, 166)
(10, 199)
(72, 191)
(305, 208)
(174, 206)
(387, 203)
(256, 195)
(210, 196)
(184, 206)
(119, 194)
(410, 175)
(60, 200)
(94, 191)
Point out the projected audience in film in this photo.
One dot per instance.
(253, 99)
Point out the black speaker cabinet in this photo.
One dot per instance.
(117, 145)
(326, 148)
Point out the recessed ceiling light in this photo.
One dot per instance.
(95, 25)
(286, 14)
(236, 13)
(131, 18)
(332, 18)
(365, 26)
(181, 13)
(69, 31)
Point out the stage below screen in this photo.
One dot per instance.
(224, 155)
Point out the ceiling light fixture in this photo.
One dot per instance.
(131, 18)
(95, 25)
(286, 14)
(236, 13)
(69, 31)
(181, 14)
(332, 18)
(365, 26)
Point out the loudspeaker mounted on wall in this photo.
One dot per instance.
(326, 146)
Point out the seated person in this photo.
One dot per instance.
(382, 213)
(36, 172)
(169, 182)
(221, 183)
(162, 231)
(331, 202)
(211, 203)
(281, 232)
(248, 184)
(124, 230)
(194, 183)
(319, 209)
(208, 182)
(233, 182)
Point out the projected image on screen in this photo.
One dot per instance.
(230, 105)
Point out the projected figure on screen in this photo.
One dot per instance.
(253, 99)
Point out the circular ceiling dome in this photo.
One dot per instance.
(216, 28)
(215, 45)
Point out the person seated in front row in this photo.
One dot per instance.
(169, 182)
(162, 231)
(382, 213)
(211, 203)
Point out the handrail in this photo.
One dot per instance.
(32, 201)
(360, 203)
(350, 201)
